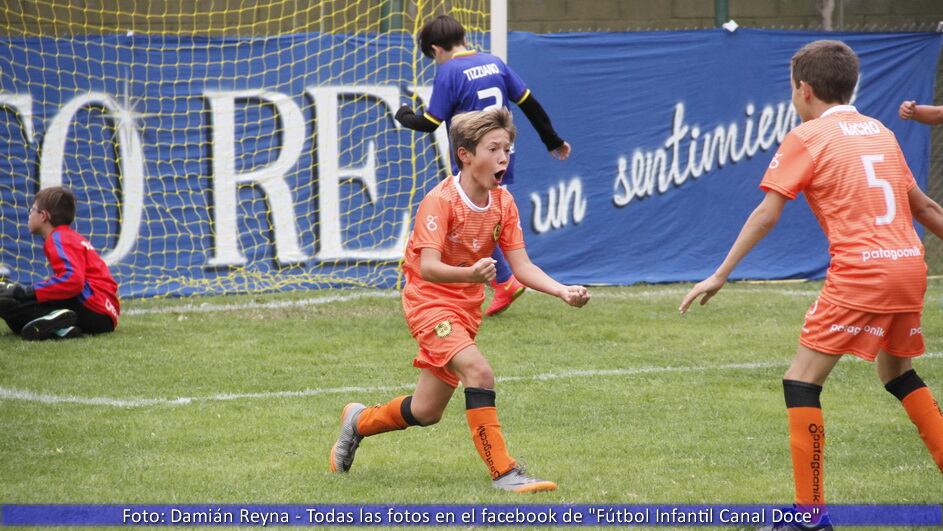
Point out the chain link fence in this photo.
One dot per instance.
(935, 180)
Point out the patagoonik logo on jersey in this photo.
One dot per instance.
(496, 232)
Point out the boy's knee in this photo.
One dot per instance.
(479, 375)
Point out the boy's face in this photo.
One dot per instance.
(488, 164)
(36, 219)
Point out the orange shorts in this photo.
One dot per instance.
(837, 330)
(439, 342)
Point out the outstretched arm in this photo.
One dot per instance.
(925, 114)
(433, 269)
(926, 211)
(533, 277)
(411, 120)
(538, 118)
(757, 226)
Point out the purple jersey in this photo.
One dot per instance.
(473, 81)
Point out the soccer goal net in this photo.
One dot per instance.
(221, 146)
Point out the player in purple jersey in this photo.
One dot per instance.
(467, 80)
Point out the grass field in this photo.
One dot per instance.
(620, 402)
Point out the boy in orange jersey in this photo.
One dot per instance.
(865, 198)
(448, 261)
(468, 80)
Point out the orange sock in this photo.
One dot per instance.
(381, 419)
(486, 431)
(923, 411)
(806, 441)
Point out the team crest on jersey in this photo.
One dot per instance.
(496, 232)
(443, 329)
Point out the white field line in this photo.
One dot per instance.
(681, 292)
(30, 396)
(389, 294)
(207, 308)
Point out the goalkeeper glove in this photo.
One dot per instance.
(13, 290)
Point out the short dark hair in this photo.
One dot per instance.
(829, 67)
(443, 31)
(467, 129)
(58, 202)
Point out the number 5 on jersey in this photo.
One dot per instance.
(874, 182)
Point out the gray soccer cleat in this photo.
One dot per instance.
(68, 332)
(342, 453)
(44, 327)
(517, 481)
(824, 523)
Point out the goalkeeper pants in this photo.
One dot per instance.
(90, 322)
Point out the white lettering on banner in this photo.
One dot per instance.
(330, 174)
(130, 155)
(559, 199)
(21, 104)
(660, 169)
(270, 178)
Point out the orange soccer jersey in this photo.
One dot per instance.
(856, 181)
(464, 233)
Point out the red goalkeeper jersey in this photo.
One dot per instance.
(78, 272)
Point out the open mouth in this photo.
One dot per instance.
(499, 175)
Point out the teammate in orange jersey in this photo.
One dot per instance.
(448, 261)
(925, 114)
(865, 198)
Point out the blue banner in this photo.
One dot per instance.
(672, 133)
(218, 165)
(461, 515)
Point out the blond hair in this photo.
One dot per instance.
(469, 128)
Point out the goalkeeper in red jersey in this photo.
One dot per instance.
(79, 297)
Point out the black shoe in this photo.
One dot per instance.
(7, 303)
(44, 327)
